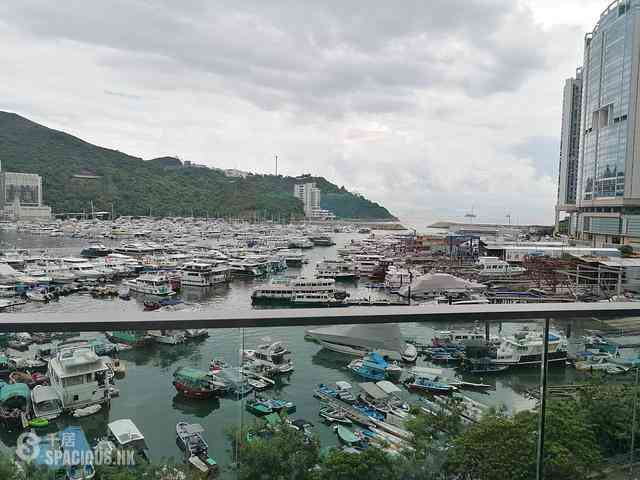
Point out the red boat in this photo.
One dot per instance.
(194, 383)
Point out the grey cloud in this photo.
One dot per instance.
(329, 58)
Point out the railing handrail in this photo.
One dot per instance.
(42, 321)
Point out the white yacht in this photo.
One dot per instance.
(365, 264)
(458, 337)
(79, 377)
(245, 268)
(300, 243)
(7, 291)
(83, 270)
(336, 269)
(525, 348)
(494, 267)
(293, 258)
(359, 340)
(168, 337)
(270, 356)
(287, 291)
(200, 274)
(151, 284)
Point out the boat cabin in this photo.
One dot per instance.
(79, 377)
(45, 402)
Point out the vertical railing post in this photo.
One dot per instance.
(633, 423)
(543, 402)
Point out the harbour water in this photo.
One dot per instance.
(149, 398)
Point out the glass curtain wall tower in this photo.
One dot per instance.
(608, 193)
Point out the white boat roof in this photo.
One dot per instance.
(373, 390)
(387, 387)
(125, 431)
(386, 336)
(439, 282)
(426, 371)
(192, 428)
(43, 393)
(342, 385)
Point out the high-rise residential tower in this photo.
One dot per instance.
(608, 190)
(569, 145)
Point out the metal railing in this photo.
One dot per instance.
(40, 321)
(100, 321)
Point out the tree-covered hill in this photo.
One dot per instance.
(162, 186)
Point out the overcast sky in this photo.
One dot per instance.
(430, 107)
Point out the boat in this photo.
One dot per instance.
(200, 274)
(195, 383)
(322, 241)
(257, 383)
(8, 291)
(195, 333)
(335, 415)
(336, 269)
(344, 392)
(38, 295)
(49, 457)
(163, 302)
(301, 425)
(149, 284)
(217, 365)
(95, 250)
(347, 436)
(124, 293)
(300, 243)
(258, 407)
(524, 348)
(428, 379)
(167, 337)
(483, 366)
(86, 411)
(127, 437)
(399, 406)
(77, 454)
(292, 292)
(445, 338)
(494, 267)
(358, 340)
(270, 357)
(118, 367)
(236, 381)
(278, 405)
(45, 403)
(129, 337)
(79, 376)
(195, 448)
(38, 423)
(374, 367)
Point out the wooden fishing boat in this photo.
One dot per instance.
(258, 407)
(195, 448)
(346, 436)
(85, 412)
(334, 415)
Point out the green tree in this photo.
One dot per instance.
(283, 455)
(501, 446)
(372, 463)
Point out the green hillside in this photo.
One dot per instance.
(161, 185)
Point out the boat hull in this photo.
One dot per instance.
(188, 392)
